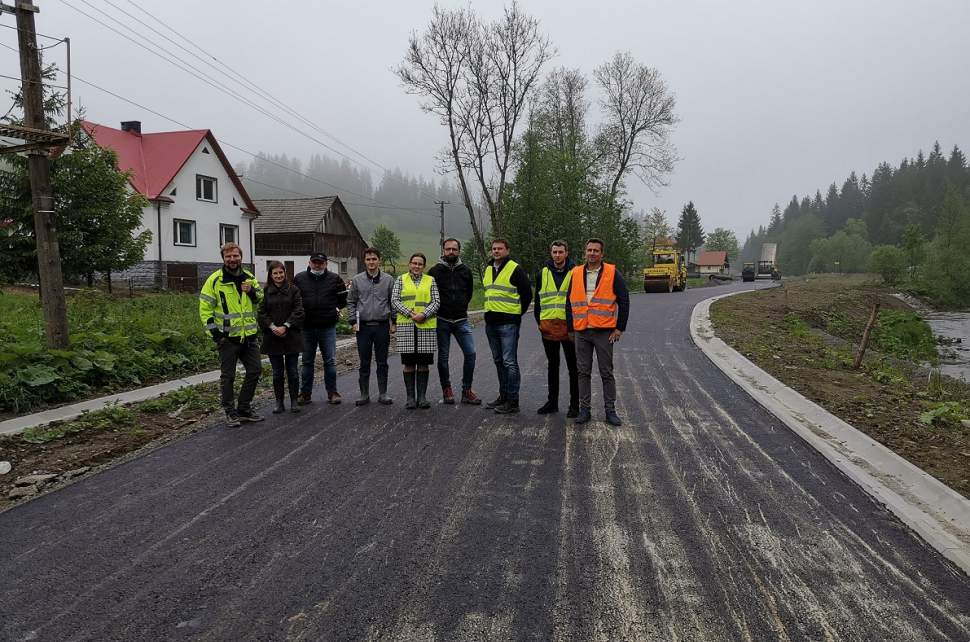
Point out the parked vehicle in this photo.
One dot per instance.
(669, 272)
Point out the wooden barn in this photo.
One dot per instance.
(291, 229)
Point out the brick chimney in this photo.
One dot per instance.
(133, 126)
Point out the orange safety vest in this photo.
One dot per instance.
(602, 310)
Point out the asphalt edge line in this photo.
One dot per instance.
(939, 514)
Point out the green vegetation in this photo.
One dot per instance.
(112, 416)
(116, 344)
(909, 224)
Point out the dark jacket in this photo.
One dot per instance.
(521, 282)
(622, 300)
(455, 287)
(558, 276)
(322, 296)
(281, 306)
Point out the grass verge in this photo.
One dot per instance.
(805, 334)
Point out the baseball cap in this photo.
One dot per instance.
(318, 256)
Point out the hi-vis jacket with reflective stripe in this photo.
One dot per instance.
(501, 295)
(227, 311)
(552, 300)
(602, 310)
(416, 298)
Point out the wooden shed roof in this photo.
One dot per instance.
(280, 215)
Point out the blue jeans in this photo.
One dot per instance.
(326, 340)
(504, 342)
(466, 341)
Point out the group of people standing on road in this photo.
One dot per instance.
(580, 310)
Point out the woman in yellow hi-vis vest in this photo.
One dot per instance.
(415, 299)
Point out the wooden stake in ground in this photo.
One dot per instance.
(865, 336)
(48, 251)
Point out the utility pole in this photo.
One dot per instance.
(48, 251)
(442, 204)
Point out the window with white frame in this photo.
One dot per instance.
(206, 189)
(228, 234)
(184, 233)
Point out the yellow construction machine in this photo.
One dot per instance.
(669, 272)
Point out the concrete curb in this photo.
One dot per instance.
(940, 515)
(73, 411)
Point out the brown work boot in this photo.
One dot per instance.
(447, 395)
(333, 398)
(468, 396)
(304, 399)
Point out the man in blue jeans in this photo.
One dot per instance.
(455, 286)
(324, 294)
(508, 294)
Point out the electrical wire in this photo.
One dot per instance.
(37, 82)
(36, 33)
(239, 78)
(252, 154)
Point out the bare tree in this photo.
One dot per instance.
(477, 78)
(639, 114)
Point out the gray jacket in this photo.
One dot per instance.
(369, 301)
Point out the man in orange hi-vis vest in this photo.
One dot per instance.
(599, 306)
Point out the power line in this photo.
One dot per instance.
(36, 33)
(241, 77)
(39, 82)
(247, 152)
(192, 70)
(181, 64)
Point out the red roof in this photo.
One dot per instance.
(712, 258)
(155, 159)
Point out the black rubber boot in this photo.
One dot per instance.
(279, 389)
(382, 397)
(294, 395)
(364, 393)
(423, 389)
(409, 383)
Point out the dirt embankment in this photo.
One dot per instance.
(806, 334)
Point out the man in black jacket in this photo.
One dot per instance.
(455, 286)
(324, 294)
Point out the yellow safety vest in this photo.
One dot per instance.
(552, 300)
(501, 295)
(224, 308)
(416, 297)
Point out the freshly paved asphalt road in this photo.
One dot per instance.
(702, 518)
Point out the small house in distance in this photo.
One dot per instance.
(289, 230)
(712, 263)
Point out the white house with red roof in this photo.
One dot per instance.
(713, 263)
(196, 202)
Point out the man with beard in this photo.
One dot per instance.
(227, 307)
(455, 286)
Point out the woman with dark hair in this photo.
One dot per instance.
(415, 299)
(281, 317)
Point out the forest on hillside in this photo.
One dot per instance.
(913, 215)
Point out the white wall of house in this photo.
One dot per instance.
(206, 216)
(710, 269)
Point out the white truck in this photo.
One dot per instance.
(767, 265)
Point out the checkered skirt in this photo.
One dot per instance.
(410, 338)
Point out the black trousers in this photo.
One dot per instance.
(286, 368)
(231, 352)
(552, 357)
(373, 341)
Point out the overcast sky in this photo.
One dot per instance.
(775, 97)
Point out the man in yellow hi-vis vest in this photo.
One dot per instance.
(507, 297)
(227, 308)
(552, 292)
